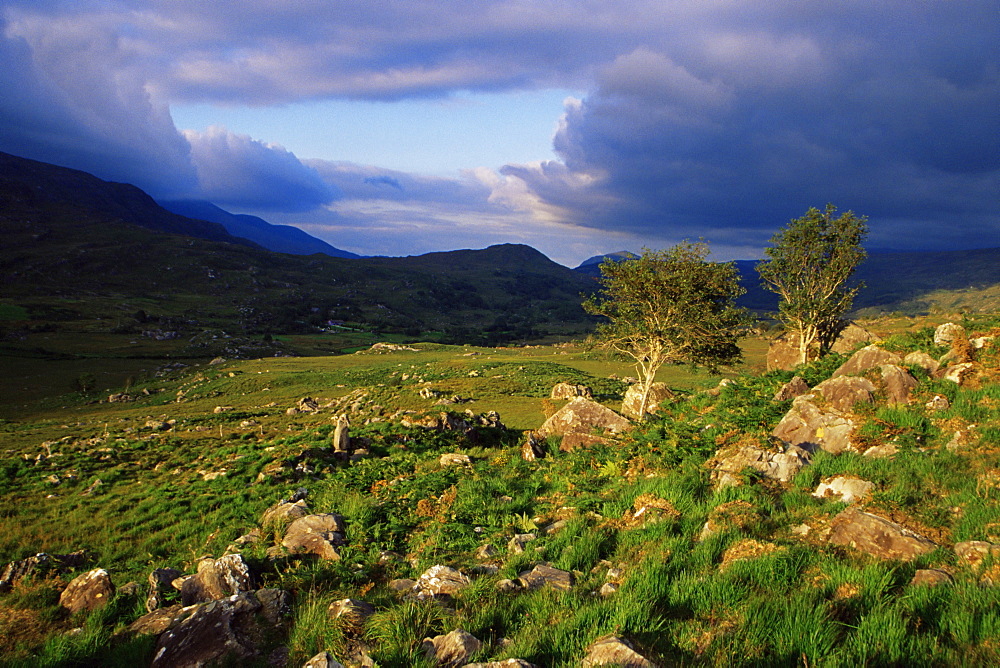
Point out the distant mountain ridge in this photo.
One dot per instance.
(278, 238)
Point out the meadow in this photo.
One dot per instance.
(193, 460)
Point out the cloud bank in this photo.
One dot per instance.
(720, 120)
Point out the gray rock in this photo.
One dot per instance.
(922, 360)
(844, 488)
(440, 581)
(159, 584)
(877, 536)
(544, 575)
(217, 579)
(782, 466)
(614, 651)
(843, 392)
(867, 358)
(796, 387)
(570, 391)
(899, 383)
(318, 535)
(946, 334)
(809, 427)
(658, 393)
(583, 415)
(516, 544)
(207, 633)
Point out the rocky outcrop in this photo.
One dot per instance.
(842, 392)
(877, 536)
(948, 333)
(898, 383)
(844, 488)
(319, 535)
(217, 579)
(87, 592)
(869, 357)
(440, 581)
(783, 353)
(796, 387)
(729, 464)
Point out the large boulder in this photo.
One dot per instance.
(807, 426)
(283, 513)
(544, 575)
(850, 337)
(583, 416)
(783, 353)
(947, 333)
(898, 384)
(440, 581)
(869, 357)
(217, 579)
(208, 633)
(160, 582)
(796, 387)
(843, 392)
(87, 592)
(877, 536)
(658, 393)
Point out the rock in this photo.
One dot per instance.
(440, 581)
(486, 552)
(843, 392)
(850, 337)
(570, 391)
(746, 548)
(729, 464)
(120, 397)
(208, 633)
(308, 405)
(506, 663)
(898, 383)
(938, 403)
(583, 416)
(275, 604)
(931, 577)
(607, 589)
(956, 373)
(972, 553)
(614, 651)
(283, 513)
(649, 509)
(808, 427)
(351, 611)
(946, 334)
(15, 571)
(402, 585)
(451, 650)
(877, 536)
(341, 435)
(796, 387)
(922, 360)
(867, 358)
(846, 488)
(159, 584)
(658, 393)
(517, 543)
(319, 535)
(544, 575)
(217, 579)
(533, 447)
(739, 514)
(450, 459)
(323, 660)
(87, 592)
(157, 621)
(886, 451)
(577, 440)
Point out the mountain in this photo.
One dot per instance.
(592, 266)
(278, 238)
(31, 185)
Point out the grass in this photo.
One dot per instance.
(752, 594)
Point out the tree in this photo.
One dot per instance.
(809, 264)
(669, 306)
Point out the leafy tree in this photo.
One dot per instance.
(669, 306)
(808, 266)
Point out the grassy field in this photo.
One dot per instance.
(179, 480)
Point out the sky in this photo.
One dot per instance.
(579, 127)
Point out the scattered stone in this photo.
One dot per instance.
(957, 373)
(972, 553)
(440, 581)
(451, 650)
(796, 387)
(809, 427)
(647, 509)
(120, 397)
(450, 459)
(316, 534)
(938, 403)
(544, 575)
(208, 633)
(341, 435)
(931, 577)
(533, 447)
(729, 464)
(222, 409)
(351, 611)
(867, 358)
(886, 451)
(614, 651)
(283, 513)
(607, 589)
(658, 393)
(323, 660)
(486, 552)
(15, 571)
(898, 383)
(946, 334)
(159, 584)
(848, 489)
(517, 543)
(506, 663)
(217, 579)
(877, 536)
(87, 592)
(570, 391)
